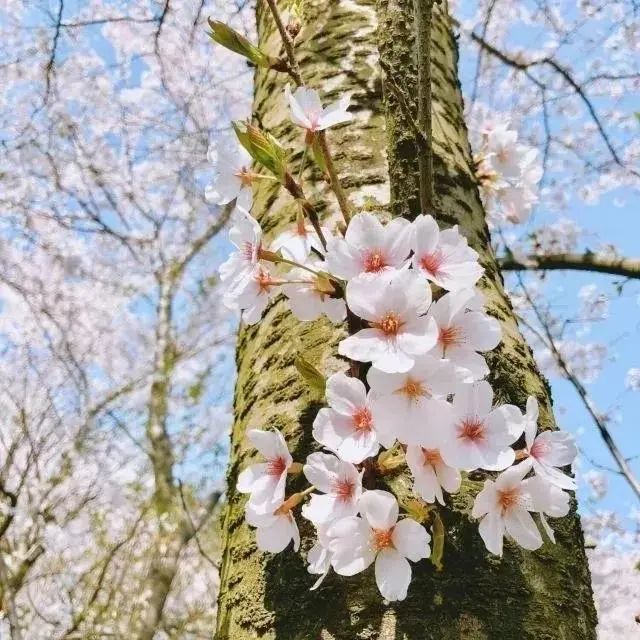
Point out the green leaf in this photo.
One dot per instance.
(230, 39)
(262, 147)
(312, 376)
(437, 541)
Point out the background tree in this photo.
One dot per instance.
(113, 344)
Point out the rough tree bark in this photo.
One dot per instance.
(541, 595)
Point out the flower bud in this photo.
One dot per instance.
(230, 39)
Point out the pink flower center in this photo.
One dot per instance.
(450, 337)
(248, 251)
(344, 489)
(246, 177)
(414, 389)
(432, 262)
(265, 281)
(390, 324)
(539, 448)
(431, 457)
(276, 466)
(374, 261)
(382, 539)
(471, 429)
(362, 420)
(507, 498)
(502, 155)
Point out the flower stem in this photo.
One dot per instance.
(287, 41)
(341, 196)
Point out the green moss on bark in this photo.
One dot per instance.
(543, 595)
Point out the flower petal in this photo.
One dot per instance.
(411, 539)
(393, 575)
(379, 509)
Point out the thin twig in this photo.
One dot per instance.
(287, 41)
(621, 461)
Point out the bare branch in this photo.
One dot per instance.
(588, 261)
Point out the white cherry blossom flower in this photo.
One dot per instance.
(516, 201)
(504, 507)
(632, 380)
(297, 242)
(275, 528)
(310, 296)
(474, 434)
(431, 474)
(347, 426)
(246, 236)
(503, 153)
(235, 177)
(379, 536)
(252, 293)
(404, 405)
(548, 500)
(397, 332)
(265, 481)
(444, 257)
(369, 247)
(462, 332)
(307, 110)
(548, 450)
(340, 484)
(319, 556)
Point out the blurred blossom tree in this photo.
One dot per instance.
(116, 355)
(114, 383)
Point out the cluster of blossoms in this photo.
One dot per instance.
(423, 400)
(508, 171)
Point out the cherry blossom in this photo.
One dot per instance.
(275, 528)
(347, 426)
(508, 171)
(397, 331)
(297, 242)
(431, 474)
(235, 178)
(515, 201)
(309, 296)
(252, 293)
(246, 236)
(548, 500)
(548, 450)
(474, 434)
(369, 247)
(405, 405)
(307, 111)
(444, 257)
(504, 506)
(319, 556)
(503, 153)
(632, 379)
(378, 536)
(265, 481)
(341, 486)
(462, 332)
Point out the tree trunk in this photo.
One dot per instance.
(542, 595)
